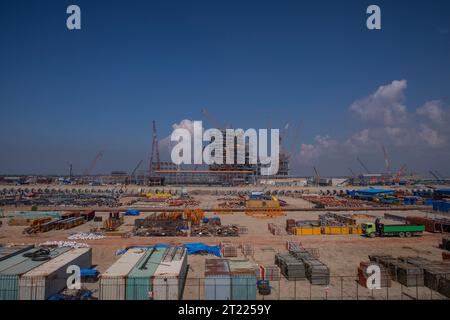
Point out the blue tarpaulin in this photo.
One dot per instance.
(132, 213)
(374, 191)
(192, 248)
(88, 272)
(443, 192)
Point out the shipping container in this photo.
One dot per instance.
(217, 280)
(336, 230)
(7, 252)
(11, 269)
(243, 280)
(51, 277)
(113, 281)
(307, 231)
(139, 280)
(170, 276)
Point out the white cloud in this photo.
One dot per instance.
(166, 145)
(433, 110)
(385, 106)
(386, 121)
(432, 136)
(322, 145)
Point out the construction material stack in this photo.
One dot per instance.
(291, 268)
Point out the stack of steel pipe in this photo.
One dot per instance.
(363, 274)
(292, 268)
(410, 275)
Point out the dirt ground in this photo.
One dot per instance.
(341, 253)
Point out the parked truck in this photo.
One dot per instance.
(378, 229)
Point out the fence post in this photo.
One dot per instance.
(310, 291)
(295, 289)
(417, 287)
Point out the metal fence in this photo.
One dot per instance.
(339, 288)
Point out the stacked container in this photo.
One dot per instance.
(170, 276)
(113, 281)
(217, 280)
(14, 267)
(8, 252)
(139, 281)
(243, 280)
(51, 277)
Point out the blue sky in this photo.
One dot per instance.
(65, 95)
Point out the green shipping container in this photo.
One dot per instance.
(139, 280)
(11, 269)
(243, 280)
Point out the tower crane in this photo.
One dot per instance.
(93, 163)
(135, 169)
(155, 152)
(363, 165)
(386, 160)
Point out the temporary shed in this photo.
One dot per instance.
(243, 280)
(10, 251)
(170, 276)
(13, 268)
(217, 280)
(51, 277)
(113, 281)
(139, 281)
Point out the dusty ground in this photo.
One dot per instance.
(342, 253)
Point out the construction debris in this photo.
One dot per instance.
(61, 244)
(86, 236)
(228, 249)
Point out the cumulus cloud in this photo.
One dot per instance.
(385, 106)
(386, 121)
(322, 145)
(432, 136)
(166, 145)
(433, 110)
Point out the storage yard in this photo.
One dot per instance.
(256, 246)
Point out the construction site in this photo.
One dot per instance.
(225, 232)
(232, 151)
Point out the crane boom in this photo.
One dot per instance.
(435, 176)
(386, 160)
(93, 163)
(363, 165)
(155, 152)
(136, 168)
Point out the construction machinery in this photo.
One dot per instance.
(379, 229)
(132, 174)
(91, 167)
(113, 222)
(386, 160)
(153, 166)
(363, 165)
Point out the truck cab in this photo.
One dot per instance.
(369, 229)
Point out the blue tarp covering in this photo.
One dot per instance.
(444, 192)
(132, 213)
(88, 272)
(192, 248)
(374, 191)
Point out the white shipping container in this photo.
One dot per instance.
(51, 277)
(169, 279)
(113, 281)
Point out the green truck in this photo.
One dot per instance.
(378, 229)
